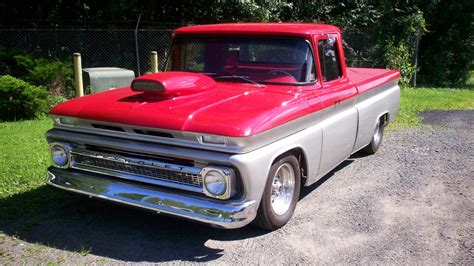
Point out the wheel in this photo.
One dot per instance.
(376, 139)
(280, 195)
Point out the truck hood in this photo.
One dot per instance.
(222, 108)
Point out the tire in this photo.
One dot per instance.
(376, 139)
(275, 211)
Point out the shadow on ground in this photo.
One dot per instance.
(74, 223)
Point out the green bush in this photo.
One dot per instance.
(398, 56)
(57, 76)
(54, 100)
(8, 63)
(20, 100)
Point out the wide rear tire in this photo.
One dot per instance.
(280, 195)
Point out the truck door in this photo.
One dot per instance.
(339, 116)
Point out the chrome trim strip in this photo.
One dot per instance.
(199, 156)
(223, 214)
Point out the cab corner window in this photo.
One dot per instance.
(329, 61)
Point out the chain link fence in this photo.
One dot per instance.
(98, 47)
(130, 49)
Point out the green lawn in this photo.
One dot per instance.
(24, 152)
(24, 156)
(416, 100)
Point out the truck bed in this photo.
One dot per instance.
(367, 78)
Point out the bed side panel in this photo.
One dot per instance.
(371, 105)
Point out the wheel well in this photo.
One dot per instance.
(301, 157)
(385, 118)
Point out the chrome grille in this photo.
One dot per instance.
(137, 169)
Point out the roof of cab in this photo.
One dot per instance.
(297, 29)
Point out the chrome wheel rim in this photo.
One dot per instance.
(377, 133)
(283, 188)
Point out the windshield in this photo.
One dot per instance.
(262, 60)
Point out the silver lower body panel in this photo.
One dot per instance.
(223, 214)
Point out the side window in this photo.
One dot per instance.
(328, 59)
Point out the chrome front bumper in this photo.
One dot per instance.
(223, 214)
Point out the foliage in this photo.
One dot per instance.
(54, 100)
(57, 76)
(20, 100)
(378, 33)
(8, 63)
(398, 56)
(446, 51)
(396, 41)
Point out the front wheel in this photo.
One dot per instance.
(280, 195)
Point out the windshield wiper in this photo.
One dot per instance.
(245, 78)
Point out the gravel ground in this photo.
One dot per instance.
(412, 202)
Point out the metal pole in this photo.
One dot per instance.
(78, 75)
(154, 62)
(136, 45)
(418, 34)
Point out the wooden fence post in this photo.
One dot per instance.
(154, 62)
(78, 75)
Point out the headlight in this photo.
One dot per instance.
(219, 182)
(215, 183)
(59, 155)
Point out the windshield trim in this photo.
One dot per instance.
(176, 38)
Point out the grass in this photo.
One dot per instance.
(415, 100)
(24, 153)
(84, 250)
(24, 158)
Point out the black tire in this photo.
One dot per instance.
(374, 145)
(267, 218)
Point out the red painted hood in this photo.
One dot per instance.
(225, 108)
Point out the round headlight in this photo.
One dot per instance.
(215, 182)
(59, 155)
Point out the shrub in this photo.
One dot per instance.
(8, 63)
(54, 100)
(57, 75)
(398, 56)
(20, 100)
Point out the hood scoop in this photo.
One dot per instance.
(173, 83)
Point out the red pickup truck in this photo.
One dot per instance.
(245, 114)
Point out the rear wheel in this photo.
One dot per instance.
(280, 195)
(376, 138)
